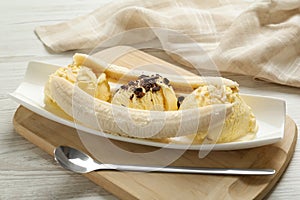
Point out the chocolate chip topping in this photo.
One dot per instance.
(124, 87)
(155, 89)
(131, 96)
(131, 83)
(166, 81)
(145, 84)
(149, 82)
(139, 92)
(142, 76)
(180, 100)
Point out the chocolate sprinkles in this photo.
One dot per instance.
(155, 89)
(139, 92)
(131, 96)
(145, 84)
(166, 81)
(180, 100)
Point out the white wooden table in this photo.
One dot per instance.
(26, 172)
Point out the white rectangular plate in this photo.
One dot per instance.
(270, 114)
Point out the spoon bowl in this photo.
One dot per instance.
(74, 160)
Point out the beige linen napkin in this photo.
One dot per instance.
(257, 38)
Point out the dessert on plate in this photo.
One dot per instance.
(140, 104)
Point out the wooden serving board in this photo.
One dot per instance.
(48, 134)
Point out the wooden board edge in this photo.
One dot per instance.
(289, 157)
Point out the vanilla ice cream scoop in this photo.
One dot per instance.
(147, 93)
(85, 79)
(238, 124)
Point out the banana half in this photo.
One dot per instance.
(85, 95)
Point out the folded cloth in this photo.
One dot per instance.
(260, 38)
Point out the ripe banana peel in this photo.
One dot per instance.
(119, 120)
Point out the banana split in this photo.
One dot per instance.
(89, 84)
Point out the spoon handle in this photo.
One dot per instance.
(193, 170)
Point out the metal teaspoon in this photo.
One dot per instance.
(77, 161)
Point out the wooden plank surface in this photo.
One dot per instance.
(132, 185)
